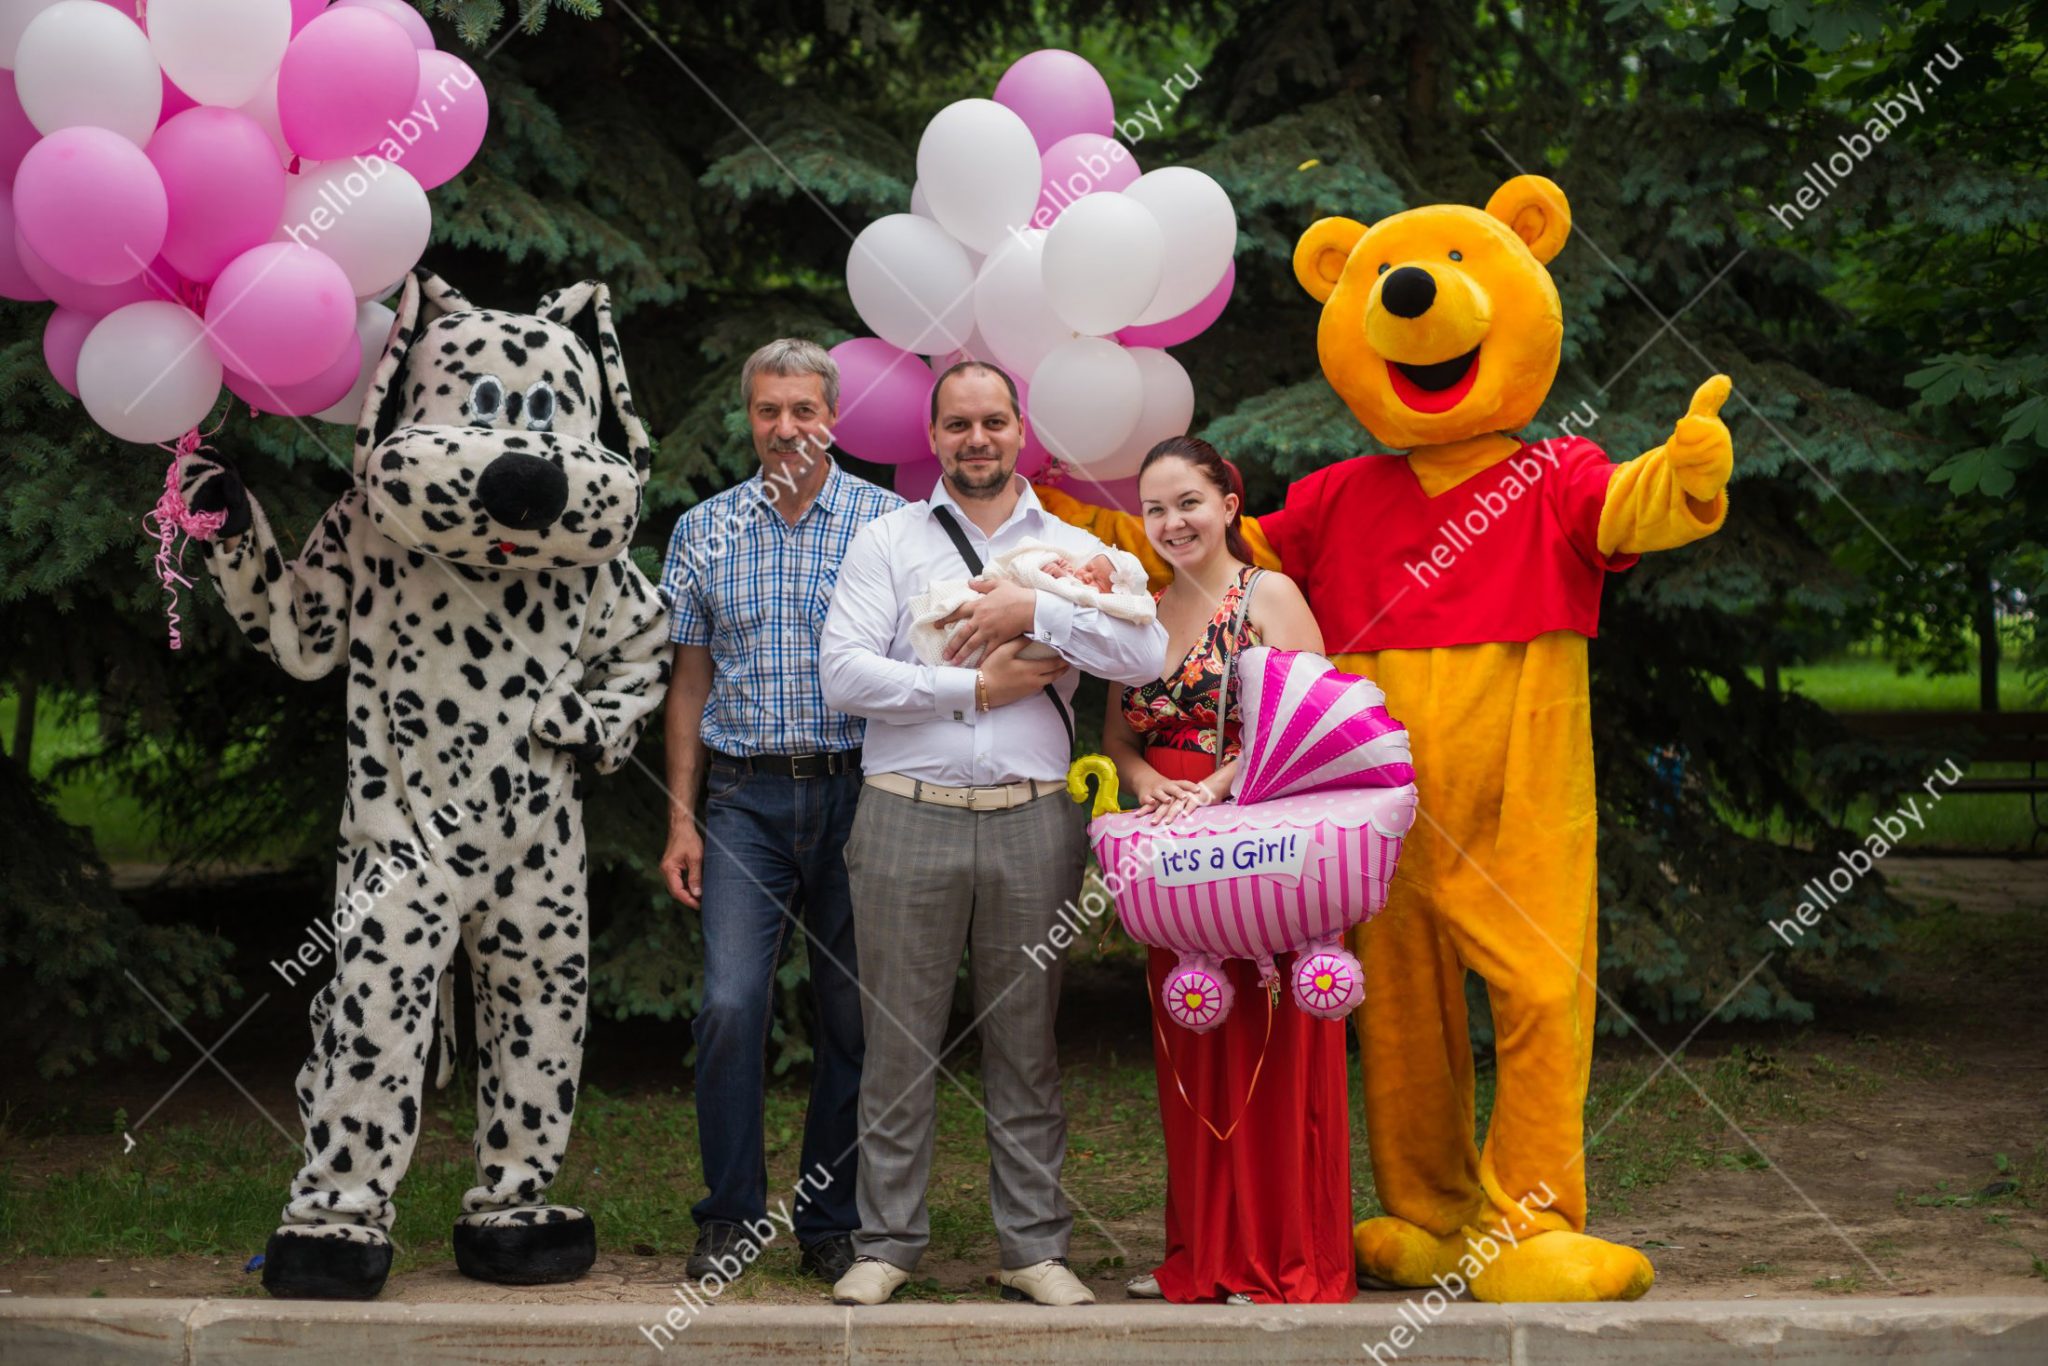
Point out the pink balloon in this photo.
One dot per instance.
(91, 204)
(1057, 94)
(1080, 165)
(915, 479)
(1187, 325)
(17, 281)
(398, 12)
(280, 313)
(306, 397)
(1121, 494)
(63, 335)
(438, 151)
(176, 102)
(345, 80)
(17, 134)
(304, 12)
(96, 300)
(225, 188)
(884, 402)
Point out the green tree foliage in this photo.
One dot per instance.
(712, 161)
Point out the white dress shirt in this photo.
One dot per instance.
(922, 720)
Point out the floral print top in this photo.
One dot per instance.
(1179, 712)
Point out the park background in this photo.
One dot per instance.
(1856, 1107)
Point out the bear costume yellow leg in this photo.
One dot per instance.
(1441, 329)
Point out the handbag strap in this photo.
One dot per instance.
(966, 549)
(1244, 609)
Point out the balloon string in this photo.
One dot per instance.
(1173, 1070)
(171, 518)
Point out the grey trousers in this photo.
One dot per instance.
(927, 882)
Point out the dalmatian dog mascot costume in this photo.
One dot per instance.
(475, 585)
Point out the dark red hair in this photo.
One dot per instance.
(1218, 471)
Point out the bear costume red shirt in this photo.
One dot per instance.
(1508, 554)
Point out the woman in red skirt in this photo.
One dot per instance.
(1258, 1124)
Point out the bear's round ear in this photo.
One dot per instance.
(1320, 255)
(1535, 210)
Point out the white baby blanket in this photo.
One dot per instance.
(1128, 598)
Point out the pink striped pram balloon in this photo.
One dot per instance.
(1323, 798)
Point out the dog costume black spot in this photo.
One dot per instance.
(475, 585)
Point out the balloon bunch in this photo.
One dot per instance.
(1034, 242)
(220, 191)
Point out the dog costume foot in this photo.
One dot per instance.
(1562, 1266)
(330, 1264)
(525, 1247)
(1393, 1252)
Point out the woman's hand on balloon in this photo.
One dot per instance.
(1175, 798)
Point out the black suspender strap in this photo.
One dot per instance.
(974, 567)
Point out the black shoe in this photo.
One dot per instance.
(828, 1257)
(540, 1253)
(308, 1267)
(717, 1252)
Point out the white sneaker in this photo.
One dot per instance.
(1145, 1287)
(870, 1280)
(1235, 1298)
(1048, 1282)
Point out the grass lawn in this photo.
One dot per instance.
(211, 1186)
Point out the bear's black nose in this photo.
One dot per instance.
(1408, 292)
(523, 492)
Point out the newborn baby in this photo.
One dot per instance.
(1112, 582)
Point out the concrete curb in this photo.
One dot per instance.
(62, 1332)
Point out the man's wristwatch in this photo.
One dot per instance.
(980, 691)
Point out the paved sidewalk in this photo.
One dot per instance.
(1900, 1332)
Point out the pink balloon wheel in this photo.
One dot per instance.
(1197, 994)
(1328, 982)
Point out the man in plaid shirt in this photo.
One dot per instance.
(750, 573)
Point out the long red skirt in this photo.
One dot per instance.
(1266, 1212)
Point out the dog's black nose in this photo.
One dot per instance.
(523, 492)
(1408, 292)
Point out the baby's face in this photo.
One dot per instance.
(1096, 573)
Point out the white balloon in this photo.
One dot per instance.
(145, 372)
(83, 62)
(220, 51)
(978, 166)
(912, 284)
(1011, 312)
(919, 205)
(370, 216)
(373, 330)
(1167, 409)
(1103, 259)
(262, 107)
(14, 18)
(1085, 398)
(1201, 235)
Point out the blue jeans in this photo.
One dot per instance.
(773, 846)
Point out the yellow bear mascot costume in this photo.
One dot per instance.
(1465, 578)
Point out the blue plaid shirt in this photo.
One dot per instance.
(754, 589)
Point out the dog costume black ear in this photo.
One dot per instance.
(424, 297)
(586, 308)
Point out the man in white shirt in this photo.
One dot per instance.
(965, 835)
